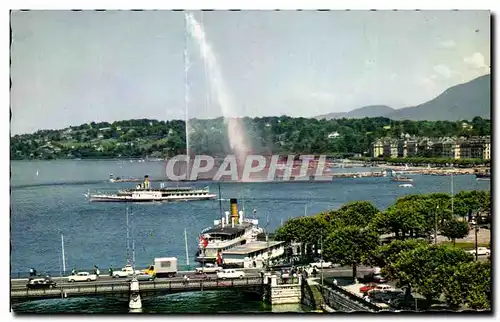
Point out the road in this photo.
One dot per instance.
(20, 284)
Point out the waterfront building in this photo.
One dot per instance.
(444, 147)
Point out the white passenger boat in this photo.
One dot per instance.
(232, 230)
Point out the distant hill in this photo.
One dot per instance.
(362, 112)
(460, 102)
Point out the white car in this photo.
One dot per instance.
(382, 288)
(480, 251)
(321, 264)
(230, 273)
(82, 277)
(208, 269)
(127, 271)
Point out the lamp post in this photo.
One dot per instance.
(475, 233)
(435, 226)
(321, 245)
(267, 240)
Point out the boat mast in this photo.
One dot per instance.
(128, 241)
(133, 255)
(186, 244)
(63, 257)
(186, 92)
(220, 201)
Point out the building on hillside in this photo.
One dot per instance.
(445, 147)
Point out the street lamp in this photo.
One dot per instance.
(267, 239)
(435, 226)
(475, 232)
(321, 245)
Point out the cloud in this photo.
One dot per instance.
(476, 61)
(322, 96)
(447, 44)
(428, 81)
(443, 70)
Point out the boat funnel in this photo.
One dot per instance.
(234, 209)
(146, 182)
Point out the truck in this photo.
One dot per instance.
(163, 267)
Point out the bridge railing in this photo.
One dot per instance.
(18, 274)
(124, 287)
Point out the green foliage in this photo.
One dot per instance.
(356, 213)
(467, 284)
(421, 267)
(275, 135)
(455, 229)
(466, 203)
(414, 214)
(350, 246)
(386, 254)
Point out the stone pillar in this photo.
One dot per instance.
(274, 280)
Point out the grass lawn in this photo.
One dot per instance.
(465, 245)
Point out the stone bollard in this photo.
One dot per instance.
(274, 280)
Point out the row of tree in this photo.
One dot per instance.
(352, 235)
(274, 135)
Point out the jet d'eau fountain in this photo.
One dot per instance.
(235, 131)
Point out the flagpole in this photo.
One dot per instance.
(186, 243)
(63, 257)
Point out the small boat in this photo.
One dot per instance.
(483, 176)
(406, 185)
(401, 179)
(118, 179)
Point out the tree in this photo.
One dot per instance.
(351, 246)
(356, 213)
(402, 217)
(305, 230)
(421, 268)
(387, 254)
(453, 229)
(467, 203)
(468, 284)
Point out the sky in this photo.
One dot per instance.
(70, 68)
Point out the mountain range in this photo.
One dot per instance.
(459, 102)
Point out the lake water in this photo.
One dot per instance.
(52, 203)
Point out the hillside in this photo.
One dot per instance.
(460, 102)
(267, 135)
(359, 113)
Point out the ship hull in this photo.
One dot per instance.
(131, 199)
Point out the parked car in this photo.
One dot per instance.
(230, 273)
(82, 277)
(383, 288)
(374, 278)
(368, 287)
(208, 269)
(38, 283)
(481, 251)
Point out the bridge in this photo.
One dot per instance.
(147, 288)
